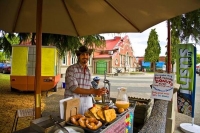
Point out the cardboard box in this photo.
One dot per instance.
(63, 107)
(72, 108)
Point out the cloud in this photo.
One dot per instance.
(139, 40)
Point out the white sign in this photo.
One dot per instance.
(163, 86)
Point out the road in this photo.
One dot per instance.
(137, 83)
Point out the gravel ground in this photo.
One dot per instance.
(10, 102)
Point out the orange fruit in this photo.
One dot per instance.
(121, 110)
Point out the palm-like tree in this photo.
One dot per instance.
(62, 42)
(6, 42)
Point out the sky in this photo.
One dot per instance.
(139, 40)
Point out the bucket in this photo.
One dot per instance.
(63, 85)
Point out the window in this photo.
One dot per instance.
(124, 60)
(116, 62)
(64, 60)
(121, 59)
(73, 59)
(90, 61)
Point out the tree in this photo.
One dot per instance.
(174, 41)
(2, 57)
(62, 42)
(153, 49)
(198, 59)
(187, 26)
(6, 42)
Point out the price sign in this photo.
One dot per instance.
(163, 85)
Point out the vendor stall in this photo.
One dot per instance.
(122, 124)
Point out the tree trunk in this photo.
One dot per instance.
(157, 121)
(154, 67)
(172, 68)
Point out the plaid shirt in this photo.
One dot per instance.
(76, 76)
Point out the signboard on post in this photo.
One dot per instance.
(163, 86)
(186, 77)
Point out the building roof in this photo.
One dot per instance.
(110, 44)
(103, 56)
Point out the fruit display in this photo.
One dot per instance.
(121, 110)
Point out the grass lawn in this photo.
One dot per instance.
(141, 73)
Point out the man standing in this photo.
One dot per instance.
(78, 80)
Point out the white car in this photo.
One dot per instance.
(197, 70)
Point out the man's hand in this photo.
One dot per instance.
(98, 92)
(101, 91)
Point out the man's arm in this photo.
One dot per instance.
(98, 92)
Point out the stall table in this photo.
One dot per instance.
(122, 124)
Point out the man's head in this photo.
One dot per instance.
(83, 54)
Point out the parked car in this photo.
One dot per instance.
(1, 67)
(6, 68)
(198, 70)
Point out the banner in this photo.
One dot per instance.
(186, 77)
(163, 86)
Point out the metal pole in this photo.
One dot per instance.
(38, 60)
(169, 48)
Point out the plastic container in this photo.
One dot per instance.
(122, 100)
(63, 85)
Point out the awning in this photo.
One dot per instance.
(159, 64)
(146, 64)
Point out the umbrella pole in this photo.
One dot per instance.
(168, 48)
(38, 59)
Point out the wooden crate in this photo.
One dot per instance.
(142, 111)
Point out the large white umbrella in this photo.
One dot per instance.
(85, 17)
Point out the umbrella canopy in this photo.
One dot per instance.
(86, 17)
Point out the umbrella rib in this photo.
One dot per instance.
(17, 16)
(123, 16)
(70, 17)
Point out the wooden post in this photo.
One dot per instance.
(168, 48)
(37, 84)
(170, 120)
